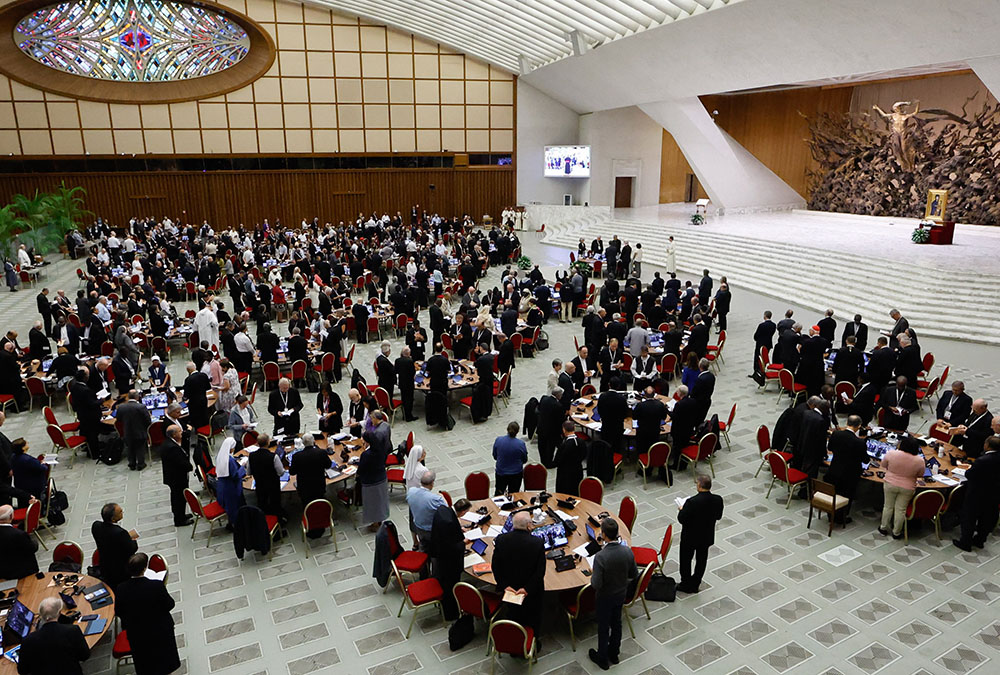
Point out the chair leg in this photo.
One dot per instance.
(809, 522)
(829, 532)
(711, 466)
(628, 619)
(906, 533)
(644, 607)
(762, 463)
(194, 525)
(401, 605)
(937, 526)
(768, 495)
(789, 502)
(304, 544)
(413, 620)
(211, 531)
(572, 635)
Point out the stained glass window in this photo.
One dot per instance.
(132, 40)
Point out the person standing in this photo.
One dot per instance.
(671, 256)
(405, 372)
(115, 544)
(762, 337)
(45, 309)
(196, 387)
(849, 453)
(898, 402)
(144, 607)
(284, 404)
(614, 570)
(510, 454)
(550, 418)
(902, 469)
(648, 415)
(385, 370)
(309, 467)
(266, 468)
(482, 396)
(135, 420)
(55, 647)
(229, 486)
(723, 301)
(569, 460)
(371, 471)
(447, 550)
(980, 508)
(176, 467)
(519, 568)
(697, 516)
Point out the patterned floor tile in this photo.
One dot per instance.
(874, 611)
(990, 635)
(787, 657)
(797, 609)
(910, 592)
(915, 634)
(703, 655)
(762, 589)
(873, 658)
(716, 609)
(952, 612)
(837, 589)
(671, 629)
(839, 556)
(961, 659)
(832, 633)
(751, 631)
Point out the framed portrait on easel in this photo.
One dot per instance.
(937, 201)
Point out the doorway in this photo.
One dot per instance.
(623, 192)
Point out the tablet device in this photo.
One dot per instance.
(19, 619)
(590, 532)
(479, 546)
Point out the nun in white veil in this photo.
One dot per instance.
(229, 487)
(414, 467)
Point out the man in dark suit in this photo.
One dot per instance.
(613, 409)
(298, 347)
(144, 607)
(849, 362)
(505, 354)
(684, 419)
(135, 420)
(648, 414)
(898, 402)
(704, 387)
(438, 368)
(309, 467)
(196, 387)
(862, 403)
(45, 309)
(828, 327)
(68, 335)
(268, 343)
(811, 370)
(438, 324)
(973, 432)
(38, 343)
(284, 404)
(88, 411)
(899, 327)
(858, 330)
(384, 369)
(551, 414)
(881, 363)
(482, 394)
(698, 516)
(785, 323)
(567, 385)
(508, 319)
(762, 337)
(810, 448)
(698, 340)
(610, 358)
(908, 361)
(705, 288)
(954, 405)
(980, 507)
(447, 549)
(176, 467)
(787, 351)
(115, 545)
(405, 371)
(55, 647)
(18, 559)
(519, 567)
(123, 371)
(849, 453)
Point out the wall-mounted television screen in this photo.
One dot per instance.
(567, 161)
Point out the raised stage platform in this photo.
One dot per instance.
(845, 262)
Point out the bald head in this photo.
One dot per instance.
(522, 521)
(979, 406)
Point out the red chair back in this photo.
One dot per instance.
(318, 515)
(470, 600)
(627, 512)
(926, 504)
(272, 373)
(68, 551)
(765, 356)
(50, 416)
(401, 322)
(56, 436)
(665, 544)
(35, 386)
(446, 340)
(157, 563)
(779, 468)
(658, 453)
(249, 438)
(706, 446)
(363, 389)
(763, 439)
(372, 324)
(107, 349)
(644, 578)
(510, 637)
(944, 376)
(732, 414)
(156, 431)
(592, 489)
(932, 387)
(535, 477)
(299, 369)
(588, 390)
(447, 496)
(32, 516)
(669, 363)
(515, 341)
(193, 503)
(928, 362)
(477, 486)
(382, 398)
(190, 314)
(844, 387)
(326, 364)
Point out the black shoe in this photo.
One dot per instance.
(687, 588)
(613, 660)
(141, 467)
(884, 533)
(603, 665)
(186, 521)
(131, 467)
(964, 547)
(979, 544)
(897, 536)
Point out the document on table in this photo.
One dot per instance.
(493, 531)
(473, 559)
(471, 516)
(596, 426)
(473, 534)
(564, 515)
(582, 552)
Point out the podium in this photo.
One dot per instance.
(943, 233)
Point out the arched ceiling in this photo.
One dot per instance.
(522, 34)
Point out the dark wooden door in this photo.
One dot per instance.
(623, 192)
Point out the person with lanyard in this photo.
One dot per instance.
(158, 375)
(229, 488)
(980, 506)
(643, 368)
(974, 430)
(284, 405)
(330, 409)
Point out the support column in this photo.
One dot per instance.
(988, 70)
(733, 178)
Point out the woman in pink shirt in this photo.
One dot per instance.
(902, 469)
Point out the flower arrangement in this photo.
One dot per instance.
(582, 267)
(524, 262)
(697, 219)
(922, 234)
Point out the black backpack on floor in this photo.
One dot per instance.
(112, 449)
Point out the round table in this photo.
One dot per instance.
(32, 591)
(354, 448)
(469, 377)
(106, 418)
(946, 465)
(554, 580)
(583, 415)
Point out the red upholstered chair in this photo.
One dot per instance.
(598, 267)
(477, 486)
(61, 442)
(645, 574)
(781, 472)
(769, 375)
(842, 388)
(394, 476)
(588, 390)
(576, 602)
(347, 360)
(325, 366)
(530, 341)
(401, 322)
(50, 418)
(764, 446)
(510, 637)
(927, 364)
(645, 556)
(374, 327)
(500, 387)
(211, 512)
(654, 459)
(6, 400)
(272, 373)
(925, 394)
(411, 562)
(927, 505)
(535, 476)
(68, 551)
(107, 349)
(725, 426)
(121, 651)
(515, 341)
(787, 384)
(388, 406)
(592, 489)
(299, 370)
(36, 387)
(423, 593)
(318, 515)
(447, 496)
(30, 521)
(627, 512)
(668, 364)
(702, 451)
(481, 604)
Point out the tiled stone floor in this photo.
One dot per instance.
(777, 597)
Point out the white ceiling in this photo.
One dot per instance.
(515, 33)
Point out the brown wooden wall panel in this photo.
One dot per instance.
(674, 169)
(771, 126)
(234, 198)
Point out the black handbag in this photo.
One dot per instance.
(461, 632)
(661, 588)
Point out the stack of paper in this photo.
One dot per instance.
(473, 559)
(680, 502)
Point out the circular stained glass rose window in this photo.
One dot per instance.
(132, 51)
(132, 40)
